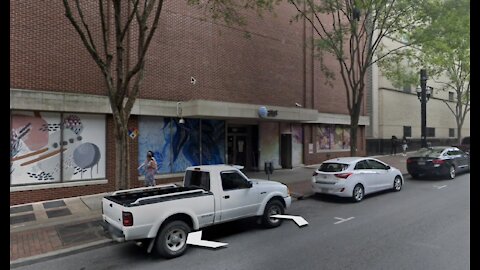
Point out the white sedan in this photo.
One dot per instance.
(355, 177)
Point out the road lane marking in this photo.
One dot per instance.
(342, 220)
(440, 187)
(299, 220)
(195, 238)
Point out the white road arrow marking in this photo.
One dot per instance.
(343, 220)
(299, 220)
(195, 238)
(440, 187)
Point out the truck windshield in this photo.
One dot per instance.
(198, 179)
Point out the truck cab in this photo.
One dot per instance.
(211, 194)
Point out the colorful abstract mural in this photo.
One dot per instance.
(177, 146)
(333, 137)
(84, 146)
(39, 141)
(213, 142)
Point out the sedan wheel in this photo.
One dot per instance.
(358, 193)
(452, 172)
(397, 184)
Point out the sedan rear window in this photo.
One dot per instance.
(333, 167)
(430, 152)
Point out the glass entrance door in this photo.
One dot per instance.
(237, 150)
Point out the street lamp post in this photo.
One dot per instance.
(423, 94)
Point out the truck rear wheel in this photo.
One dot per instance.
(172, 239)
(274, 207)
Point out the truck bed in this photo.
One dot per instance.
(127, 199)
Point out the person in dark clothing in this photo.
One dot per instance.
(394, 145)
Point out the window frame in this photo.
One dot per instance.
(370, 162)
(233, 172)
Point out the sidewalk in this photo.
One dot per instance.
(47, 229)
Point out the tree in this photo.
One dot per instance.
(443, 48)
(123, 76)
(352, 31)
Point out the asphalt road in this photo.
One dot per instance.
(424, 226)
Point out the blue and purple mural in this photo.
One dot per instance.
(154, 135)
(185, 144)
(213, 142)
(177, 146)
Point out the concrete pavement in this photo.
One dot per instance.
(45, 229)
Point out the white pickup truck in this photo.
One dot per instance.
(163, 216)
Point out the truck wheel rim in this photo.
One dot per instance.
(274, 210)
(176, 239)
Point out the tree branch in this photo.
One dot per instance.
(91, 50)
(130, 18)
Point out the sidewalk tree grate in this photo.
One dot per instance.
(54, 204)
(22, 218)
(20, 209)
(79, 233)
(58, 213)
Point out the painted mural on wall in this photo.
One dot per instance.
(39, 141)
(297, 145)
(177, 146)
(213, 142)
(185, 144)
(154, 135)
(269, 144)
(333, 137)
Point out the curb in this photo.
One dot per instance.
(59, 253)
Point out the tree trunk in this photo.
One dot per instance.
(353, 133)
(122, 167)
(459, 132)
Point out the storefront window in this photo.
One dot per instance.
(333, 138)
(45, 144)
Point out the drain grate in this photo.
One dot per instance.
(58, 213)
(78, 233)
(48, 205)
(22, 218)
(20, 209)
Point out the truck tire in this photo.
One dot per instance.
(172, 239)
(273, 207)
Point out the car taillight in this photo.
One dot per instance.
(343, 175)
(127, 219)
(315, 173)
(438, 161)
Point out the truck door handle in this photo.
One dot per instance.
(226, 196)
(264, 192)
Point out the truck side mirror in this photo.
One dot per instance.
(249, 184)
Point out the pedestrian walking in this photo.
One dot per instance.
(404, 145)
(394, 145)
(150, 168)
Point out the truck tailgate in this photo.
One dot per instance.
(112, 213)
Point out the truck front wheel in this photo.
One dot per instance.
(172, 239)
(274, 207)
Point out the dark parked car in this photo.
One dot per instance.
(438, 161)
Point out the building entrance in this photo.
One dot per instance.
(242, 146)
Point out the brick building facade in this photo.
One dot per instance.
(59, 107)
